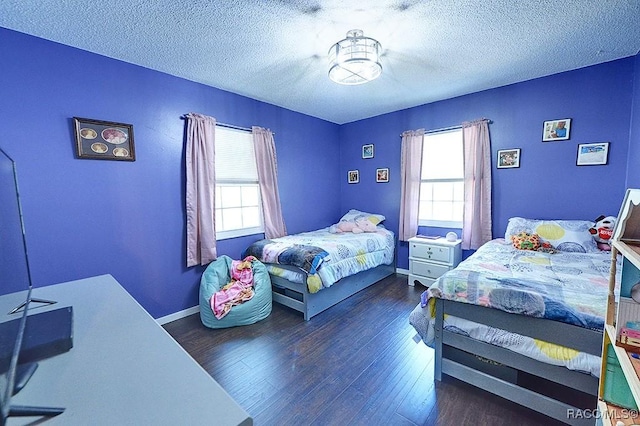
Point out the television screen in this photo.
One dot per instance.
(14, 277)
(24, 339)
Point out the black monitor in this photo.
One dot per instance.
(18, 332)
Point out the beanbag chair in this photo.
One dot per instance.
(216, 276)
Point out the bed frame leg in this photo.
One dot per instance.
(439, 317)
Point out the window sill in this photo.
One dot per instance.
(440, 224)
(235, 233)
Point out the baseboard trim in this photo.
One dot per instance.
(402, 271)
(178, 315)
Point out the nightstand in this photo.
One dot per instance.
(428, 259)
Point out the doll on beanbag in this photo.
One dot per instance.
(602, 231)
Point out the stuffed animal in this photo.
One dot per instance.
(358, 226)
(602, 231)
(525, 241)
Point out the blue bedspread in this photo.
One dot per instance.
(306, 257)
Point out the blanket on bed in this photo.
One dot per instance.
(567, 287)
(335, 255)
(306, 257)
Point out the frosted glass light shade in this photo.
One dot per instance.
(355, 60)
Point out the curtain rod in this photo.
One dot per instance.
(445, 129)
(231, 126)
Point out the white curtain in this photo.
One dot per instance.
(476, 226)
(200, 190)
(410, 171)
(265, 149)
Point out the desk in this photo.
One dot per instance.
(124, 368)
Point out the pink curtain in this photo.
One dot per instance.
(476, 221)
(268, 178)
(200, 191)
(410, 170)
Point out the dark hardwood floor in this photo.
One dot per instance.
(355, 363)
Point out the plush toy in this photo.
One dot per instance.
(602, 231)
(358, 226)
(525, 241)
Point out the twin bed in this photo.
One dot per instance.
(524, 324)
(312, 271)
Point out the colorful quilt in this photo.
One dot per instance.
(326, 257)
(563, 286)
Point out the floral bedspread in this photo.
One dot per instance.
(342, 254)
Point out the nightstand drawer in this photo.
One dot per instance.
(430, 252)
(430, 270)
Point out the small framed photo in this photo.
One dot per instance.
(353, 176)
(382, 175)
(592, 154)
(367, 151)
(508, 158)
(104, 140)
(556, 130)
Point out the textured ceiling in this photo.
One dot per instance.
(276, 50)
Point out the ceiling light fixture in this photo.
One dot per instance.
(355, 60)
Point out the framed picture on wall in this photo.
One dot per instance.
(353, 176)
(382, 175)
(556, 130)
(104, 140)
(508, 158)
(367, 151)
(592, 154)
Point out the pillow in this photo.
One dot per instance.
(525, 241)
(352, 215)
(564, 235)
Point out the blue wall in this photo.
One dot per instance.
(91, 217)
(633, 174)
(548, 183)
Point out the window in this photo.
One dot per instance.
(442, 180)
(238, 205)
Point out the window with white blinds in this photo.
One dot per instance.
(442, 180)
(238, 206)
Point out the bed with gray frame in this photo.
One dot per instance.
(482, 318)
(312, 271)
(298, 297)
(509, 374)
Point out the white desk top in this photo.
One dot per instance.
(123, 368)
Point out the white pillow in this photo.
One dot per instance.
(352, 215)
(564, 235)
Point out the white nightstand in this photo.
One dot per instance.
(428, 259)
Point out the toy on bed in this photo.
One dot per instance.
(602, 230)
(526, 241)
(357, 222)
